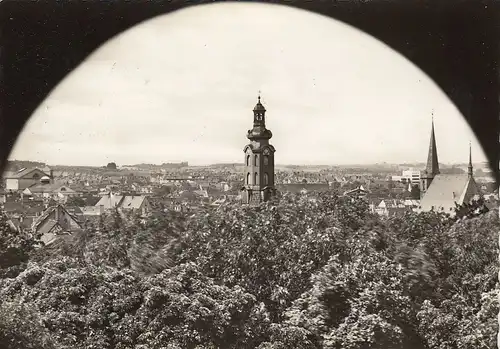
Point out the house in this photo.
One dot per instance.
(357, 192)
(55, 191)
(92, 210)
(137, 203)
(24, 178)
(390, 208)
(412, 204)
(303, 188)
(55, 221)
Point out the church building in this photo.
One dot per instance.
(259, 161)
(440, 192)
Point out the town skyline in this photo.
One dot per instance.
(137, 99)
(278, 164)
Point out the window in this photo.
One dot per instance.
(266, 160)
(248, 178)
(266, 178)
(36, 176)
(248, 160)
(255, 160)
(255, 178)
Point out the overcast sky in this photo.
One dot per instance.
(182, 87)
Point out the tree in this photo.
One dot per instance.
(21, 327)
(111, 166)
(471, 209)
(415, 192)
(390, 184)
(15, 247)
(84, 306)
(272, 250)
(301, 271)
(356, 304)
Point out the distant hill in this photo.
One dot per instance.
(165, 166)
(16, 165)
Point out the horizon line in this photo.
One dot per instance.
(238, 163)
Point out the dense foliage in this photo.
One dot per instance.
(304, 272)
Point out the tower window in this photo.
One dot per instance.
(255, 160)
(255, 178)
(248, 160)
(248, 178)
(266, 160)
(266, 179)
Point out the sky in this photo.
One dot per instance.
(181, 87)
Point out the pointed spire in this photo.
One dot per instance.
(470, 169)
(432, 168)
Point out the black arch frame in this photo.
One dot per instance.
(454, 42)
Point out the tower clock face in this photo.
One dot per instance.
(266, 151)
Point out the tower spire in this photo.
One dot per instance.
(432, 168)
(470, 169)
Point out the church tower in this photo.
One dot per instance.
(432, 168)
(259, 160)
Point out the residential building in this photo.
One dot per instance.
(303, 188)
(137, 203)
(55, 221)
(357, 192)
(47, 190)
(24, 178)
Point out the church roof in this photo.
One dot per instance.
(446, 190)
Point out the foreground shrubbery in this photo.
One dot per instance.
(291, 274)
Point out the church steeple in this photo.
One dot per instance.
(259, 160)
(432, 168)
(470, 169)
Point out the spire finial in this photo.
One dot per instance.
(470, 168)
(259, 96)
(470, 153)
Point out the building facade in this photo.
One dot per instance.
(24, 179)
(411, 176)
(259, 183)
